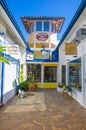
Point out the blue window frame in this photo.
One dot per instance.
(38, 26)
(46, 26)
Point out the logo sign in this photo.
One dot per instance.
(29, 56)
(42, 36)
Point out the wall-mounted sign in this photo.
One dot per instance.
(42, 36)
(12, 49)
(37, 55)
(29, 56)
(70, 49)
(45, 54)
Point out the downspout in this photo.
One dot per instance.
(2, 82)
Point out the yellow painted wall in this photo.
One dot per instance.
(50, 85)
(38, 85)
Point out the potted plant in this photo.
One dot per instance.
(60, 87)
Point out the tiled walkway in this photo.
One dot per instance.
(45, 110)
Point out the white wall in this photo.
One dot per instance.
(10, 76)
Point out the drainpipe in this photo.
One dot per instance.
(2, 82)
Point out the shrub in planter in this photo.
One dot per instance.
(24, 85)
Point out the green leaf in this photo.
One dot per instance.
(2, 58)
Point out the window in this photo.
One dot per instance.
(46, 26)
(32, 28)
(75, 74)
(38, 26)
(50, 74)
(34, 70)
(53, 28)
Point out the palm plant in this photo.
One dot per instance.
(2, 58)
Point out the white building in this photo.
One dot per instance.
(72, 55)
(12, 38)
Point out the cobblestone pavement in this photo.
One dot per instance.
(43, 110)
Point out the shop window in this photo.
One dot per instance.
(38, 26)
(35, 70)
(46, 26)
(50, 74)
(75, 74)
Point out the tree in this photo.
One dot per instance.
(2, 58)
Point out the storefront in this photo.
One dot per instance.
(45, 74)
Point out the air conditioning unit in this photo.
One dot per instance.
(81, 34)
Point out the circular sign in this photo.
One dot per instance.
(42, 36)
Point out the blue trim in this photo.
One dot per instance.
(9, 58)
(8, 12)
(2, 82)
(76, 16)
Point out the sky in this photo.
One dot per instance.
(55, 8)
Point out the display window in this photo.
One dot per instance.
(35, 69)
(50, 74)
(75, 74)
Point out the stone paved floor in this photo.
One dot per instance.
(45, 110)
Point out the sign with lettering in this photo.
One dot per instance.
(12, 49)
(70, 49)
(29, 56)
(42, 36)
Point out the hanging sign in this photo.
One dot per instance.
(12, 49)
(42, 36)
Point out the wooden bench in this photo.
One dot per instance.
(67, 91)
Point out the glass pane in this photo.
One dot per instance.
(50, 74)
(46, 26)
(38, 26)
(34, 70)
(53, 28)
(75, 75)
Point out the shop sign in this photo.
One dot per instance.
(42, 36)
(37, 55)
(29, 56)
(12, 49)
(70, 48)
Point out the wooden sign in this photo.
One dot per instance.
(70, 48)
(37, 55)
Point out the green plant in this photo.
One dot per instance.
(24, 85)
(2, 58)
(61, 85)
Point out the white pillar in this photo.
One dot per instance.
(42, 75)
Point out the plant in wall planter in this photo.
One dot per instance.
(60, 87)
